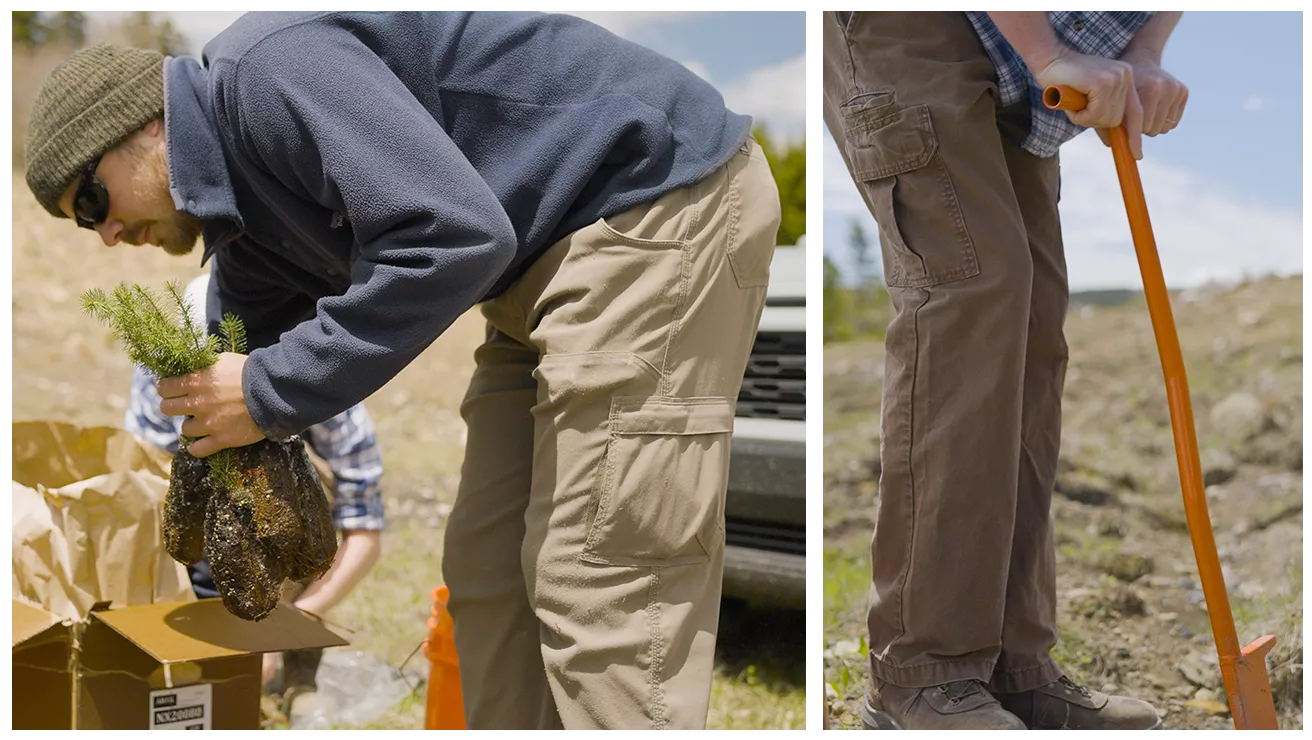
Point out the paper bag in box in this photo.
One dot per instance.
(86, 505)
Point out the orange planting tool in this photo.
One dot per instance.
(445, 708)
(1243, 671)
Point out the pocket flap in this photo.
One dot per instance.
(886, 145)
(671, 416)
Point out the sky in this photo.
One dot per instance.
(756, 60)
(1224, 190)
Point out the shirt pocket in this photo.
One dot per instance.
(895, 157)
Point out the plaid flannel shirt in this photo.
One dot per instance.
(1104, 34)
(346, 442)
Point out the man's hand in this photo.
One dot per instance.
(1163, 97)
(1107, 83)
(215, 404)
(1110, 87)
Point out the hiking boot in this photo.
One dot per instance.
(1066, 705)
(959, 705)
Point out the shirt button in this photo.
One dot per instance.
(1078, 25)
(191, 203)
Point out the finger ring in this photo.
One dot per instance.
(1172, 120)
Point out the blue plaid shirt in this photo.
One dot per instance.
(346, 442)
(1097, 34)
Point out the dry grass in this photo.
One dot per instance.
(30, 67)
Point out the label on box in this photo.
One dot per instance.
(183, 708)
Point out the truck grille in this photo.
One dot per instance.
(764, 536)
(774, 386)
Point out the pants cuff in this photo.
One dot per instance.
(931, 674)
(1025, 679)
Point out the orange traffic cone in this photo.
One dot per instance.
(445, 708)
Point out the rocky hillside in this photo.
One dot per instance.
(1132, 614)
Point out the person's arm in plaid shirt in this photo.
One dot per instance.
(143, 417)
(348, 444)
(1134, 90)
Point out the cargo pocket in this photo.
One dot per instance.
(922, 233)
(659, 495)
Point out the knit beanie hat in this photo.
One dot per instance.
(92, 101)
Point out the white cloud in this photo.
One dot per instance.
(626, 24)
(774, 95)
(1203, 231)
(1253, 103)
(198, 25)
(697, 68)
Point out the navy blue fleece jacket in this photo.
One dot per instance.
(367, 177)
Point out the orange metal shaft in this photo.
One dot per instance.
(1242, 671)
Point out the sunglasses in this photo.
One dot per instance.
(91, 202)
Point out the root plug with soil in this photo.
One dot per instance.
(257, 512)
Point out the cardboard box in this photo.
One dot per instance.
(186, 665)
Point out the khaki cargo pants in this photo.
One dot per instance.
(585, 549)
(963, 565)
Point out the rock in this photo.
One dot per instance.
(1125, 566)
(1250, 590)
(1201, 670)
(1085, 489)
(1210, 707)
(1218, 467)
(1237, 416)
(1110, 528)
(1284, 451)
(1206, 702)
(1113, 600)
(847, 649)
(1180, 692)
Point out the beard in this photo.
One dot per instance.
(175, 233)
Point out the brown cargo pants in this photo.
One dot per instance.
(585, 549)
(963, 575)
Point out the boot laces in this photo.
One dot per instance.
(1074, 686)
(958, 690)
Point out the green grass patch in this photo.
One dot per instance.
(847, 585)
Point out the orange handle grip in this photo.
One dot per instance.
(1242, 671)
(1061, 97)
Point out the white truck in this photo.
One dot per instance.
(765, 512)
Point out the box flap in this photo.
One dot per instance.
(200, 630)
(30, 621)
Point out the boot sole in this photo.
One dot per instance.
(1155, 730)
(873, 719)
